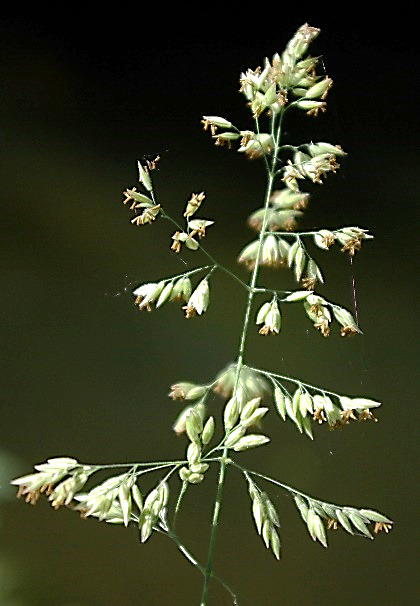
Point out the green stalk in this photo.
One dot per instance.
(204, 251)
(178, 503)
(271, 173)
(191, 558)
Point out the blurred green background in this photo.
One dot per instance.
(86, 375)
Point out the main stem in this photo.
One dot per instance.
(271, 171)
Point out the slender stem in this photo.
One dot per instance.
(178, 503)
(248, 472)
(254, 276)
(215, 522)
(191, 558)
(205, 251)
(153, 465)
(294, 234)
(189, 273)
(265, 290)
(297, 381)
(271, 172)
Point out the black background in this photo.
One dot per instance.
(86, 375)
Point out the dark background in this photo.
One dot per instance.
(86, 375)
